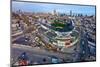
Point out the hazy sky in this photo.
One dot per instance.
(45, 7)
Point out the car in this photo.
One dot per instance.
(55, 60)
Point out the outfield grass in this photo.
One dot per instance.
(59, 25)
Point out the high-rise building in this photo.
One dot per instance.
(55, 12)
(70, 13)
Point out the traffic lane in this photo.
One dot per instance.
(41, 51)
(32, 56)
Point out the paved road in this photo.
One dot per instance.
(36, 54)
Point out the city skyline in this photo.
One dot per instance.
(45, 7)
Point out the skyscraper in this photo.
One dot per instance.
(70, 13)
